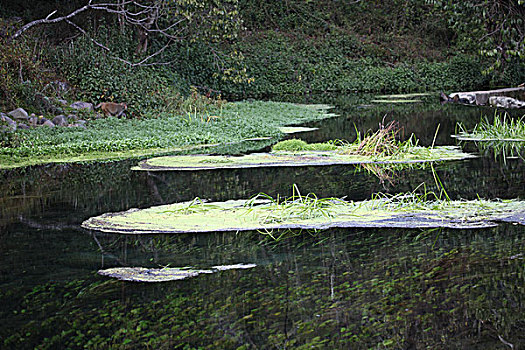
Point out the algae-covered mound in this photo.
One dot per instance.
(299, 158)
(309, 212)
(143, 274)
(379, 147)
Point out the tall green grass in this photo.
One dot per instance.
(504, 136)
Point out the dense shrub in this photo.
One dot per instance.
(22, 71)
(100, 76)
(284, 64)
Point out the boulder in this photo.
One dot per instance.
(76, 125)
(506, 102)
(10, 122)
(33, 121)
(463, 97)
(82, 105)
(46, 104)
(19, 113)
(60, 120)
(48, 123)
(22, 126)
(41, 120)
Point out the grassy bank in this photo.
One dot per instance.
(112, 138)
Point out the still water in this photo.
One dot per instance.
(334, 289)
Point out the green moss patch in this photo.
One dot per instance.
(402, 211)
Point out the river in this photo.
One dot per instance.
(340, 288)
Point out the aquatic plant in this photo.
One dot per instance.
(502, 128)
(504, 135)
(117, 138)
(296, 145)
(410, 210)
(380, 143)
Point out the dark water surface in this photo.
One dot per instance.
(344, 289)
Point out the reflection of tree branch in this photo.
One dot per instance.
(103, 251)
(154, 190)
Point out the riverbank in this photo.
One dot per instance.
(113, 138)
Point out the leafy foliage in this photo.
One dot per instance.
(22, 70)
(495, 28)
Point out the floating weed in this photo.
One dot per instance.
(381, 143)
(419, 208)
(296, 207)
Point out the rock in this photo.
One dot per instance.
(72, 117)
(23, 126)
(462, 97)
(33, 121)
(506, 102)
(60, 120)
(41, 120)
(10, 122)
(19, 113)
(81, 122)
(82, 105)
(77, 126)
(443, 97)
(62, 102)
(49, 123)
(59, 87)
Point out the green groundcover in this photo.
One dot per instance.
(302, 158)
(309, 213)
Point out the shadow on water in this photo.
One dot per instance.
(405, 289)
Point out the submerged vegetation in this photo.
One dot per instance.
(427, 289)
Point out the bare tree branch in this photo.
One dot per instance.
(47, 20)
(148, 18)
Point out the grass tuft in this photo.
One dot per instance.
(505, 135)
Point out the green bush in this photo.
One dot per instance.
(100, 76)
(22, 71)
